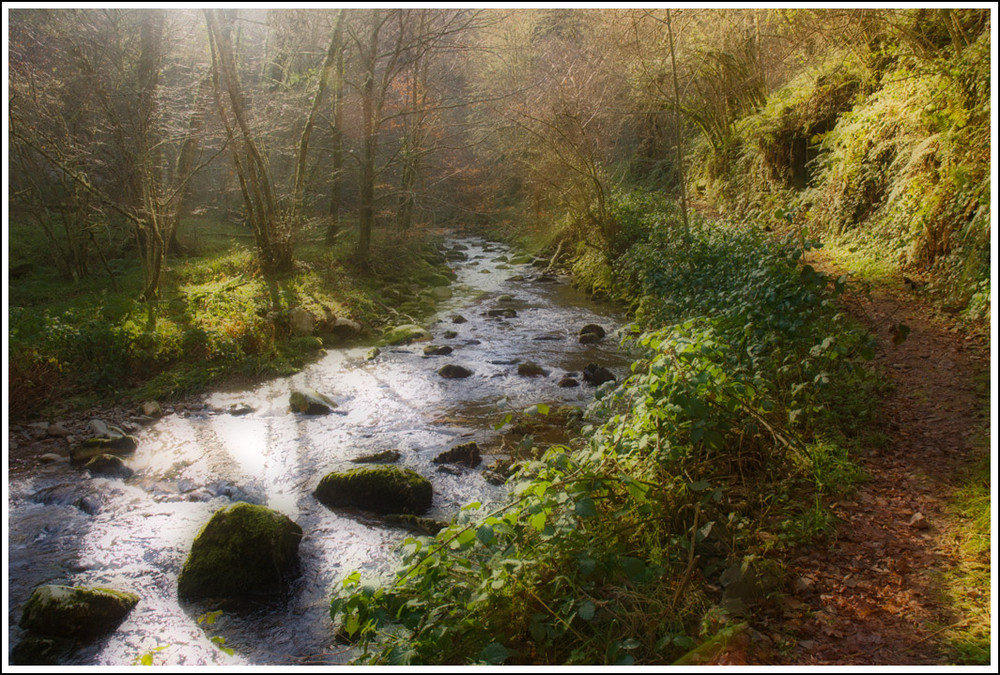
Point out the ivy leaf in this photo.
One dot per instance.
(586, 610)
(585, 508)
(494, 654)
(485, 534)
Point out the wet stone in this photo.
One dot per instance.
(466, 454)
(452, 371)
(530, 369)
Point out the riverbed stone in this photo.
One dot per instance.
(530, 369)
(80, 612)
(406, 334)
(244, 550)
(466, 454)
(92, 447)
(57, 430)
(458, 318)
(151, 409)
(597, 375)
(568, 382)
(310, 402)
(593, 329)
(345, 328)
(383, 489)
(453, 371)
(506, 313)
(449, 335)
(438, 350)
(109, 465)
(384, 457)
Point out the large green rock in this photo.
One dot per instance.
(245, 550)
(405, 334)
(384, 489)
(79, 613)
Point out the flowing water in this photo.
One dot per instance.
(66, 527)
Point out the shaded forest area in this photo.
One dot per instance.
(181, 181)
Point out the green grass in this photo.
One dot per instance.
(73, 344)
(967, 587)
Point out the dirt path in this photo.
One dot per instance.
(872, 594)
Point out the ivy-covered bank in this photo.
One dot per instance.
(657, 529)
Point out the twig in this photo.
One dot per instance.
(691, 557)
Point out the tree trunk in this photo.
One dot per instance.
(271, 230)
(332, 53)
(677, 125)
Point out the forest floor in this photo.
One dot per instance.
(881, 589)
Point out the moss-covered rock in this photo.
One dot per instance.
(245, 550)
(310, 402)
(406, 334)
(79, 613)
(383, 489)
(384, 457)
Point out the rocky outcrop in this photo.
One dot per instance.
(245, 550)
(80, 613)
(383, 489)
(310, 402)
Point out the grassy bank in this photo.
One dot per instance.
(659, 528)
(218, 319)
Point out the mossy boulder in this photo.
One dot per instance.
(438, 350)
(101, 445)
(530, 369)
(383, 489)
(245, 550)
(79, 613)
(406, 334)
(310, 402)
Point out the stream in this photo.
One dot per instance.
(66, 527)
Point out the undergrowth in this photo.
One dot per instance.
(217, 319)
(711, 456)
